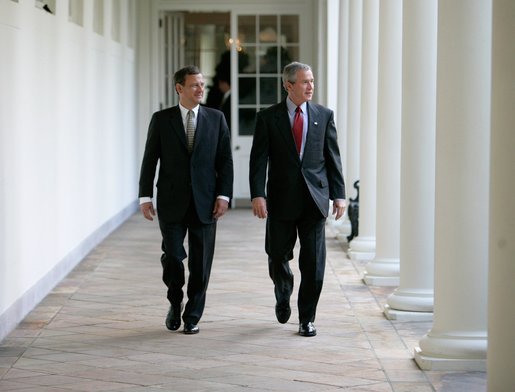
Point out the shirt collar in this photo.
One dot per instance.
(184, 111)
(291, 106)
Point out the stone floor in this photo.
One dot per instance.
(102, 328)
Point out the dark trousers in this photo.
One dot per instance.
(281, 236)
(201, 247)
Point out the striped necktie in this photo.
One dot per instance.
(190, 129)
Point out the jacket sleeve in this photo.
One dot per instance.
(224, 162)
(259, 159)
(150, 159)
(333, 162)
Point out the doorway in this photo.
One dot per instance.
(241, 53)
(194, 38)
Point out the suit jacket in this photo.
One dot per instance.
(320, 169)
(203, 176)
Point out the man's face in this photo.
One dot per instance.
(192, 92)
(302, 90)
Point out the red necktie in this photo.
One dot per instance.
(298, 125)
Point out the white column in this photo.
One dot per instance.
(383, 270)
(413, 299)
(363, 246)
(458, 338)
(333, 93)
(342, 226)
(351, 158)
(501, 292)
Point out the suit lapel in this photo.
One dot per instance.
(284, 127)
(178, 126)
(200, 130)
(313, 125)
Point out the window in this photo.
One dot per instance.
(266, 43)
(98, 17)
(76, 12)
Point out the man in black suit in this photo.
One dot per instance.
(192, 144)
(296, 140)
(224, 84)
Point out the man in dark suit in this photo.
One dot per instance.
(192, 144)
(296, 140)
(224, 84)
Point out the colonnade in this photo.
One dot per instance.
(426, 102)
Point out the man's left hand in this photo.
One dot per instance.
(338, 208)
(220, 208)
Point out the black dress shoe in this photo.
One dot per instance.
(190, 329)
(282, 312)
(307, 329)
(173, 318)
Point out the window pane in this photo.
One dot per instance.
(268, 90)
(247, 29)
(275, 58)
(268, 29)
(288, 55)
(289, 29)
(268, 60)
(247, 60)
(247, 121)
(247, 91)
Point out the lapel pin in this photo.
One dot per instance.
(315, 123)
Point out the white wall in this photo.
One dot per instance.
(69, 146)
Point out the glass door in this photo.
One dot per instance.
(265, 43)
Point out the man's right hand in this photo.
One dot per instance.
(147, 210)
(259, 207)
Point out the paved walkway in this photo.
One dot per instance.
(102, 328)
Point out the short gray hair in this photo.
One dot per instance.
(290, 71)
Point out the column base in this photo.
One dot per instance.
(452, 350)
(403, 315)
(382, 272)
(411, 300)
(364, 256)
(371, 280)
(426, 362)
(362, 248)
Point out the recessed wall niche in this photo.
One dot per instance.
(98, 17)
(115, 18)
(45, 5)
(76, 11)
